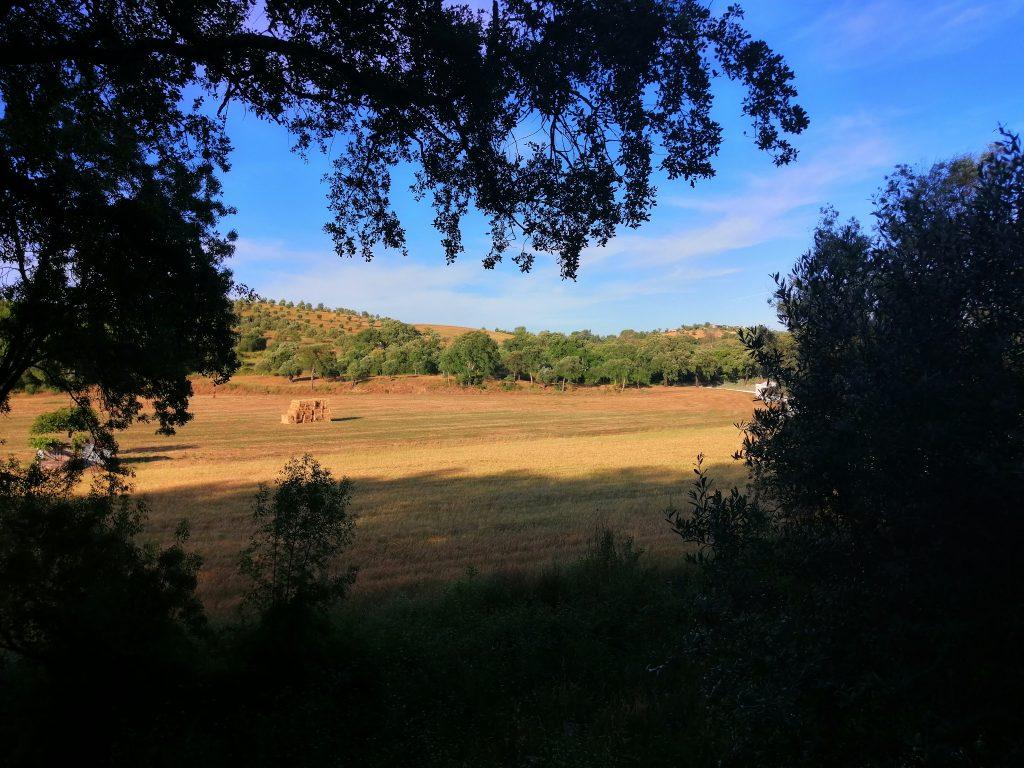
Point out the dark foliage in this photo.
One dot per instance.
(96, 632)
(108, 208)
(909, 369)
(302, 526)
(543, 115)
(865, 608)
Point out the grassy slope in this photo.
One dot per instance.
(335, 321)
(446, 480)
(353, 323)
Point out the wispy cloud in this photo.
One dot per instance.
(460, 294)
(690, 243)
(857, 34)
(766, 207)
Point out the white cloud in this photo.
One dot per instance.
(645, 273)
(459, 294)
(765, 207)
(857, 34)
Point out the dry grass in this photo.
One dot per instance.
(350, 323)
(445, 480)
(328, 319)
(449, 333)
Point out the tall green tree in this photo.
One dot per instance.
(907, 372)
(526, 350)
(616, 370)
(318, 359)
(473, 357)
(569, 369)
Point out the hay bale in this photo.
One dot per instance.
(306, 412)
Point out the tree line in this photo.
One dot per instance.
(272, 342)
(860, 608)
(857, 605)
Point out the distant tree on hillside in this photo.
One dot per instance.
(290, 367)
(317, 359)
(569, 369)
(252, 342)
(359, 369)
(472, 357)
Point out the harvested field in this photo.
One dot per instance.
(446, 480)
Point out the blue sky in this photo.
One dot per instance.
(885, 82)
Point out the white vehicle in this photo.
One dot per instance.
(89, 453)
(768, 392)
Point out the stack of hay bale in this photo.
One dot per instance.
(306, 411)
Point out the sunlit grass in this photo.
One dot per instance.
(445, 481)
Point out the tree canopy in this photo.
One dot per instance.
(908, 370)
(472, 357)
(544, 116)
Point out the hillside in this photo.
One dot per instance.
(288, 340)
(317, 320)
(320, 319)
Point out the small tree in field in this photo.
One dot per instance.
(77, 423)
(302, 525)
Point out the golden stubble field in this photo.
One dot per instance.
(445, 481)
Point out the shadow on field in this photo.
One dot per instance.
(160, 448)
(144, 459)
(424, 529)
(346, 418)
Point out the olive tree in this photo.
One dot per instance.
(472, 357)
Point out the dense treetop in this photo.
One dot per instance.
(548, 117)
(909, 355)
(286, 339)
(544, 114)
